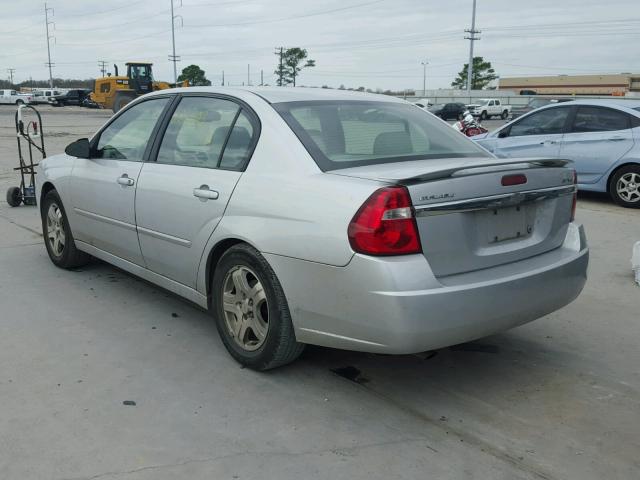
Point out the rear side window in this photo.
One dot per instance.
(344, 134)
(201, 129)
(594, 119)
(546, 122)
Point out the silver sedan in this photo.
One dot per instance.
(300, 216)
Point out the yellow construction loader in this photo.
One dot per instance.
(116, 91)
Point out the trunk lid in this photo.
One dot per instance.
(468, 220)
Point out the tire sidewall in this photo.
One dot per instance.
(278, 309)
(64, 259)
(613, 192)
(13, 196)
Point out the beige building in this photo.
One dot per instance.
(618, 84)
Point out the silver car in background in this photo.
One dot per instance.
(601, 137)
(333, 218)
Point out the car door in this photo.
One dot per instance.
(538, 134)
(103, 187)
(182, 196)
(598, 137)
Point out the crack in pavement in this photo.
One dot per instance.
(13, 222)
(490, 449)
(334, 450)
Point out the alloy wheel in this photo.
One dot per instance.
(56, 235)
(245, 308)
(628, 187)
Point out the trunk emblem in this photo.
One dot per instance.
(439, 196)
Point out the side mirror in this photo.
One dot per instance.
(79, 149)
(504, 133)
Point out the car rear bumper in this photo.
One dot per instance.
(397, 305)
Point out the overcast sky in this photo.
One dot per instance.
(376, 44)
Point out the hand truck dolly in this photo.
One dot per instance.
(30, 133)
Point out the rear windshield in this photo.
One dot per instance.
(344, 134)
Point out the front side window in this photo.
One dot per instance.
(594, 119)
(546, 122)
(344, 134)
(126, 138)
(199, 130)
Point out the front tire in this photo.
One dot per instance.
(252, 314)
(624, 187)
(483, 115)
(58, 238)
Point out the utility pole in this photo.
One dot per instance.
(472, 38)
(174, 58)
(261, 78)
(11, 70)
(424, 77)
(280, 52)
(223, 78)
(248, 74)
(49, 37)
(103, 67)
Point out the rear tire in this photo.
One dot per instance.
(19, 102)
(504, 115)
(254, 322)
(58, 238)
(624, 186)
(14, 197)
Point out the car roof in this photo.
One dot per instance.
(290, 94)
(607, 102)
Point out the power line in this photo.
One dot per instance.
(292, 17)
(113, 27)
(101, 12)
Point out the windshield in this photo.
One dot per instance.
(344, 134)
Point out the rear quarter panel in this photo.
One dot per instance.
(285, 205)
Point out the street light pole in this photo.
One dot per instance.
(424, 77)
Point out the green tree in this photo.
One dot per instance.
(290, 64)
(195, 75)
(482, 75)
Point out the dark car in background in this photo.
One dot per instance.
(448, 111)
(76, 96)
(534, 103)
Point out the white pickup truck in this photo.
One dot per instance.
(12, 97)
(489, 107)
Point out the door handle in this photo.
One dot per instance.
(615, 139)
(548, 142)
(204, 193)
(125, 181)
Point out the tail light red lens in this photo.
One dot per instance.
(385, 224)
(575, 196)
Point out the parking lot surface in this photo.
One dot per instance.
(105, 376)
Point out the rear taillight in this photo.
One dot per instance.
(385, 224)
(575, 196)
